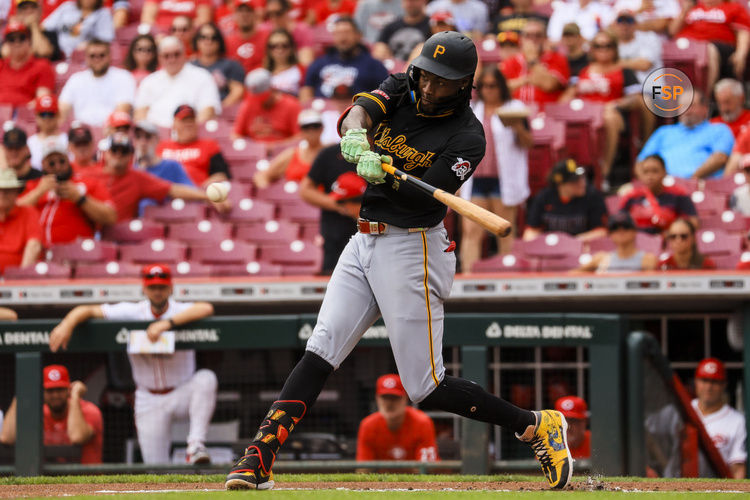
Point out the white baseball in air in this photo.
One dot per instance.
(217, 191)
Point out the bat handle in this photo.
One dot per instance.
(390, 169)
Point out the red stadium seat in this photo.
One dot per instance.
(718, 242)
(552, 245)
(86, 250)
(727, 261)
(225, 252)
(200, 231)
(251, 210)
(689, 56)
(270, 232)
(280, 191)
(253, 268)
(40, 270)
(175, 211)
(709, 203)
(191, 270)
(560, 264)
(133, 231)
(216, 128)
(158, 250)
(6, 113)
(508, 263)
(299, 211)
(728, 220)
(643, 241)
(689, 185)
(488, 51)
(724, 185)
(295, 253)
(548, 148)
(613, 203)
(241, 151)
(310, 230)
(111, 269)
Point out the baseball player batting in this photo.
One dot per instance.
(400, 265)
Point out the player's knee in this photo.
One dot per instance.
(206, 379)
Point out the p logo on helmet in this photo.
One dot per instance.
(438, 51)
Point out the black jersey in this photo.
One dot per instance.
(442, 150)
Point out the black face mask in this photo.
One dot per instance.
(446, 106)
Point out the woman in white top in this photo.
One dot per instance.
(501, 180)
(78, 22)
(287, 75)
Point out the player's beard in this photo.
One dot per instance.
(159, 306)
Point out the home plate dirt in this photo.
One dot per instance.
(591, 484)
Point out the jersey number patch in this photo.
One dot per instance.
(462, 168)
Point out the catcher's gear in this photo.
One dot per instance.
(549, 440)
(368, 167)
(354, 143)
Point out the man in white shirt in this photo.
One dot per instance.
(591, 16)
(724, 424)
(470, 15)
(167, 385)
(176, 83)
(638, 50)
(92, 94)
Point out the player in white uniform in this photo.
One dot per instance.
(167, 385)
(724, 424)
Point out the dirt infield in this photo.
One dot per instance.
(591, 484)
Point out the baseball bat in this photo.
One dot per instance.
(488, 220)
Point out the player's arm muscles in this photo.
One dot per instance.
(198, 310)
(79, 430)
(370, 108)
(61, 334)
(356, 117)
(737, 471)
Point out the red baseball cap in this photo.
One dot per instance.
(15, 27)
(389, 384)
(712, 369)
(184, 111)
(119, 119)
(156, 274)
(56, 376)
(442, 16)
(349, 186)
(572, 407)
(253, 4)
(46, 104)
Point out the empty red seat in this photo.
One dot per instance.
(613, 203)
(548, 148)
(560, 264)
(187, 269)
(728, 220)
(133, 231)
(488, 51)
(200, 231)
(110, 269)
(253, 268)
(310, 230)
(718, 242)
(709, 203)
(295, 253)
(279, 191)
(726, 261)
(158, 250)
(251, 210)
(270, 232)
(298, 211)
(552, 245)
(688, 185)
(241, 151)
(40, 270)
(224, 252)
(85, 250)
(175, 211)
(724, 185)
(689, 56)
(508, 263)
(651, 243)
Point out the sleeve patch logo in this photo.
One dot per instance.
(461, 168)
(382, 94)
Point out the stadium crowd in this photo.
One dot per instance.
(117, 114)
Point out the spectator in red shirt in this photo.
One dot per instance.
(730, 101)
(536, 75)
(69, 420)
(23, 77)
(129, 186)
(163, 12)
(683, 249)
(71, 205)
(396, 431)
(576, 413)
(246, 43)
(201, 158)
(266, 114)
(20, 244)
(279, 16)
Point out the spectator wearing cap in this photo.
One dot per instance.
(48, 128)
(589, 15)
(43, 42)
(651, 15)
(730, 103)
(128, 186)
(568, 205)
(21, 243)
(163, 12)
(683, 249)
(18, 156)
(246, 44)
(515, 20)
(398, 38)
(372, 16)
(397, 431)
(336, 219)
(574, 44)
(70, 204)
(83, 151)
(118, 121)
(508, 44)
(278, 13)
(347, 67)
(201, 158)
(576, 413)
(68, 419)
(471, 16)
(211, 55)
(91, 95)
(168, 386)
(23, 76)
(724, 424)
(287, 75)
(294, 162)
(652, 205)
(266, 114)
(693, 147)
(639, 50)
(626, 257)
(175, 84)
(536, 75)
(79, 22)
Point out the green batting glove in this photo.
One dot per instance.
(368, 167)
(354, 143)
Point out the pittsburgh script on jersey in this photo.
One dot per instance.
(397, 146)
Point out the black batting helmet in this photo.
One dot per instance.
(448, 54)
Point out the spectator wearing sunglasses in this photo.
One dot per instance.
(47, 126)
(83, 151)
(211, 55)
(23, 76)
(182, 29)
(287, 75)
(78, 22)
(91, 95)
(141, 59)
(683, 249)
(246, 43)
(43, 42)
(639, 50)
(574, 45)
(163, 12)
(266, 114)
(278, 16)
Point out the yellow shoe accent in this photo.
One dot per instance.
(550, 445)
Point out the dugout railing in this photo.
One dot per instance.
(473, 334)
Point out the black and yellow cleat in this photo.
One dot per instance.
(549, 440)
(249, 474)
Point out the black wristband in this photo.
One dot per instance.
(171, 323)
(81, 200)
